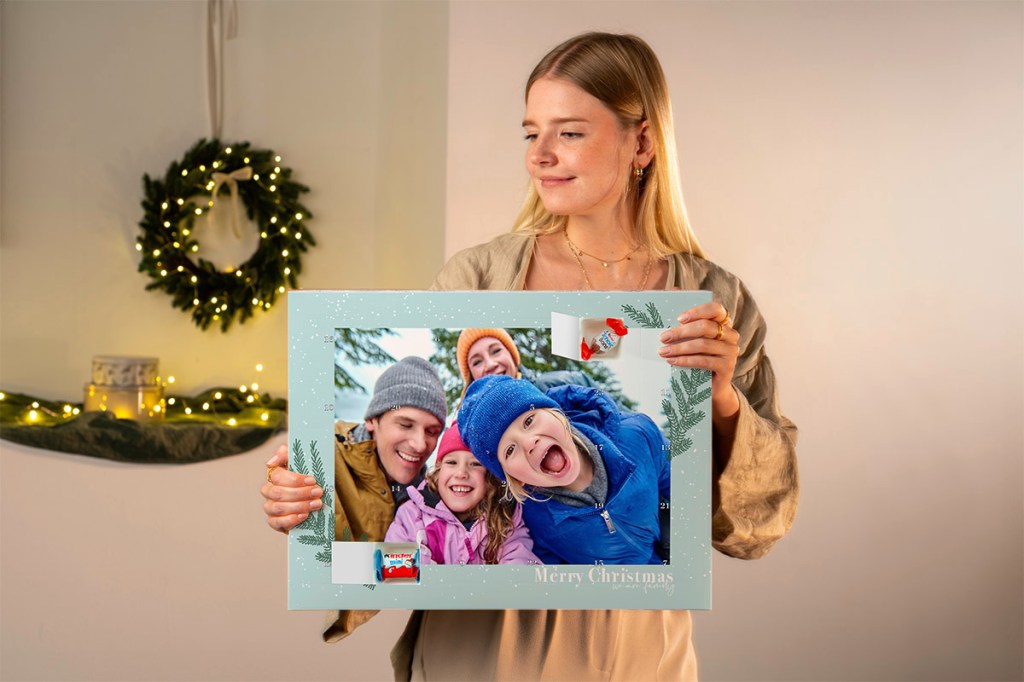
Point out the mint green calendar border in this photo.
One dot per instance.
(312, 318)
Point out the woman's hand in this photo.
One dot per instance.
(705, 339)
(289, 496)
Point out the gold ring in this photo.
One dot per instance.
(726, 321)
(270, 470)
(721, 332)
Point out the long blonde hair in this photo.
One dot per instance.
(623, 72)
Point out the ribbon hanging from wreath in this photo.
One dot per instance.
(251, 177)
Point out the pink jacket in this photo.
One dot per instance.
(444, 540)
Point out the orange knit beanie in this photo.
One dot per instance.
(470, 336)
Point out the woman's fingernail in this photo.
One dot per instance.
(685, 317)
(315, 504)
(309, 480)
(317, 492)
(665, 337)
(302, 517)
(270, 462)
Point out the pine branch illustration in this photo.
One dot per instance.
(324, 556)
(298, 459)
(309, 540)
(701, 396)
(635, 315)
(656, 320)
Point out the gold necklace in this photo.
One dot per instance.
(586, 277)
(577, 251)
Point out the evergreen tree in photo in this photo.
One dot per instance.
(357, 347)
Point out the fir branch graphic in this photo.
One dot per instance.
(320, 523)
(682, 412)
(650, 319)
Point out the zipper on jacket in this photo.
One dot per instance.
(608, 520)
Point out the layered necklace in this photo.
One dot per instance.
(577, 252)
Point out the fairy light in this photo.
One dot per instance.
(298, 216)
(250, 398)
(277, 169)
(284, 253)
(67, 409)
(186, 232)
(164, 206)
(188, 410)
(254, 387)
(156, 253)
(273, 188)
(255, 176)
(156, 408)
(227, 150)
(184, 172)
(216, 164)
(195, 301)
(75, 411)
(273, 220)
(194, 279)
(218, 395)
(195, 247)
(138, 247)
(287, 271)
(170, 380)
(259, 367)
(163, 273)
(167, 223)
(35, 405)
(206, 406)
(263, 235)
(33, 415)
(232, 422)
(280, 290)
(255, 301)
(238, 273)
(171, 401)
(284, 230)
(277, 159)
(298, 235)
(181, 202)
(243, 388)
(265, 416)
(202, 168)
(3, 396)
(199, 211)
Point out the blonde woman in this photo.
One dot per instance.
(605, 211)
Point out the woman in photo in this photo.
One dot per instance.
(604, 211)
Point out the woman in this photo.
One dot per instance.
(605, 211)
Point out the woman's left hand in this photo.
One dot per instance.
(705, 339)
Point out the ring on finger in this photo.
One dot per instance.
(270, 471)
(721, 331)
(726, 321)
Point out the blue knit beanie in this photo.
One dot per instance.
(491, 404)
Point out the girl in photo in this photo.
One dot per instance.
(458, 515)
(590, 477)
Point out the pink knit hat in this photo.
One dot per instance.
(451, 441)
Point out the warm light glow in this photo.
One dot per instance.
(33, 416)
(255, 301)
(273, 188)
(156, 252)
(254, 387)
(250, 398)
(206, 406)
(284, 230)
(259, 367)
(238, 273)
(287, 271)
(298, 216)
(255, 176)
(170, 401)
(227, 150)
(280, 290)
(199, 211)
(138, 247)
(67, 409)
(232, 422)
(156, 408)
(181, 202)
(284, 252)
(195, 301)
(243, 388)
(184, 172)
(164, 206)
(188, 410)
(167, 223)
(216, 164)
(273, 219)
(177, 245)
(218, 395)
(265, 416)
(277, 170)
(170, 380)
(195, 247)
(186, 232)
(263, 235)
(75, 411)
(277, 159)
(35, 404)
(194, 279)
(3, 396)
(298, 235)
(210, 203)
(163, 273)
(213, 300)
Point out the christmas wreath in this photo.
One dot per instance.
(187, 190)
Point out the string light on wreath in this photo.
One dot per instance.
(210, 172)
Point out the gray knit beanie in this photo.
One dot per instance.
(410, 382)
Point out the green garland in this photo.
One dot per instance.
(171, 206)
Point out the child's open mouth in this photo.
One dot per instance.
(554, 461)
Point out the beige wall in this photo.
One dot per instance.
(833, 154)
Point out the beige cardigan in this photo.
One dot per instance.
(754, 500)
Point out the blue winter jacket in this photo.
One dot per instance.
(626, 528)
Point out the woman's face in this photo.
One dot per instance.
(537, 449)
(461, 482)
(490, 356)
(578, 155)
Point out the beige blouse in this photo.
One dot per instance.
(754, 500)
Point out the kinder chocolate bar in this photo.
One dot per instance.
(605, 341)
(397, 566)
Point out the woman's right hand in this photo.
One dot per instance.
(289, 496)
